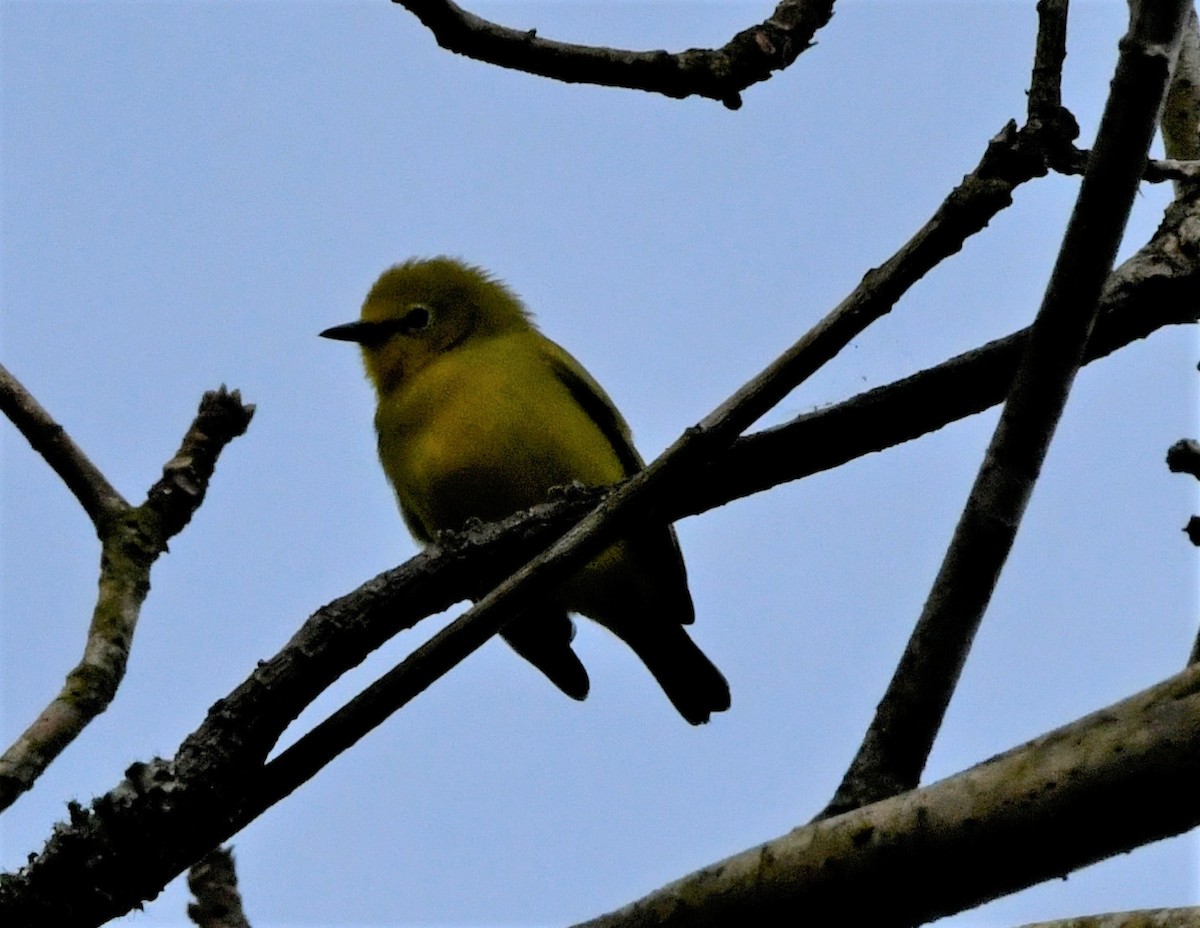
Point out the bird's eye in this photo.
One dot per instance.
(417, 318)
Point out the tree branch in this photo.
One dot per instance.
(180, 810)
(96, 495)
(718, 74)
(1157, 286)
(132, 538)
(893, 753)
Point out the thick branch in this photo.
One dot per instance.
(132, 538)
(893, 753)
(718, 74)
(1110, 782)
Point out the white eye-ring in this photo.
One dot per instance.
(417, 318)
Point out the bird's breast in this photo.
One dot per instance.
(483, 433)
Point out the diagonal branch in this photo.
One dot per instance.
(132, 538)
(95, 494)
(893, 753)
(718, 73)
(1157, 286)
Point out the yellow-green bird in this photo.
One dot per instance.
(478, 416)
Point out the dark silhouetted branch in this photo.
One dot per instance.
(894, 751)
(718, 73)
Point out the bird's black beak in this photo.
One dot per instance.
(359, 332)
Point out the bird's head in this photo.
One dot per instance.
(423, 308)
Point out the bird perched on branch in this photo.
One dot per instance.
(478, 416)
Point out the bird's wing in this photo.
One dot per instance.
(657, 551)
(416, 527)
(543, 637)
(596, 403)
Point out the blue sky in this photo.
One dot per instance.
(191, 191)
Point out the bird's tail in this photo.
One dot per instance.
(544, 639)
(691, 681)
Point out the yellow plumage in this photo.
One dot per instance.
(478, 416)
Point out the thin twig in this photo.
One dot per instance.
(1181, 172)
(96, 495)
(132, 538)
(1050, 51)
(1157, 286)
(718, 74)
(894, 751)
(1046, 117)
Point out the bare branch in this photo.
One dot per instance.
(1157, 286)
(1050, 51)
(893, 753)
(1047, 119)
(95, 494)
(1107, 783)
(718, 74)
(213, 881)
(132, 538)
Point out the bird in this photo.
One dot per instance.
(479, 415)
